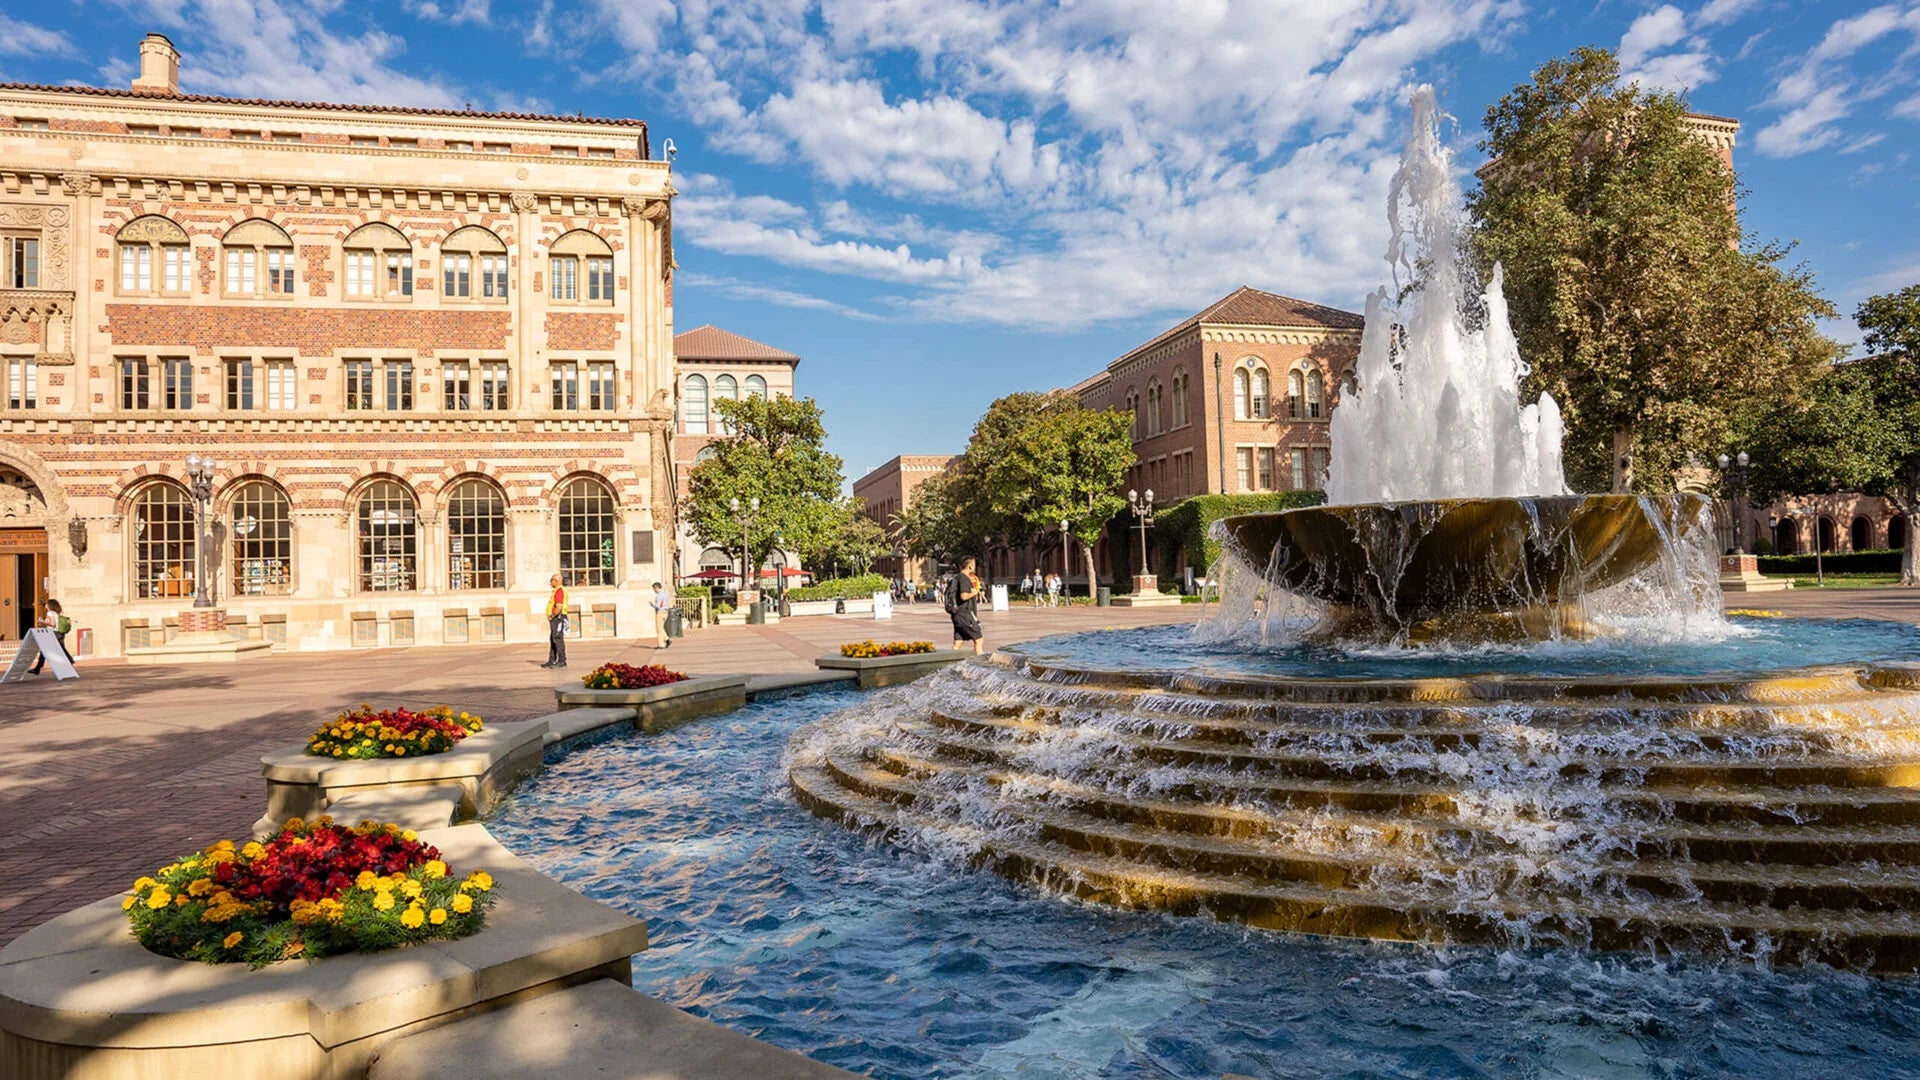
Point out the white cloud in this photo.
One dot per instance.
(1822, 90)
(1658, 29)
(25, 39)
(1723, 11)
(458, 11)
(748, 290)
(1643, 48)
(1908, 109)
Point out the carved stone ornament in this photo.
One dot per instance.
(631, 206)
(19, 331)
(656, 209)
(20, 499)
(152, 229)
(52, 223)
(525, 203)
(77, 183)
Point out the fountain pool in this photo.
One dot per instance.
(905, 961)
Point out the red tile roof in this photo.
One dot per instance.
(709, 342)
(1248, 306)
(325, 106)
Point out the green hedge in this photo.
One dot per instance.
(1850, 562)
(1183, 526)
(695, 591)
(842, 588)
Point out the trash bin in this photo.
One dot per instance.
(676, 622)
(757, 613)
(1103, 597)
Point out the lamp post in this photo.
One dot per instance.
(780, 573)
(1066, 556)
(1219, 418)
(1734, 472)
(200, 486)
(746, 518)
(1142, 520)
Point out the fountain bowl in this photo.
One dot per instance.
(1481, 568)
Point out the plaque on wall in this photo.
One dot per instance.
(642, 546)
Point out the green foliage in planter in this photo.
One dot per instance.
(693, 591)
(841, 588)
(1184, 524)
(1849, 562)
(723, 608)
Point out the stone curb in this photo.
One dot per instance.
(877, 671)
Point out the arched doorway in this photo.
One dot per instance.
(25, 547)
(1825, 534)
(1860, 536)
(1786, 536)
(1897, 532)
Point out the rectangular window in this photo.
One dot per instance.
(600, 386)
(566, 277)
(280, 385)
(240, 270)
(566, 387)
(456, 384)
(175, 258)
(23, 262)
(1297, 459)
(136, 269)
(359, 273)
(135, 390)
(23, 376)
(493, 277)
(399, 379)
(179, 384)
(1245, 456)
(399, 274)
(240, 384)
(600, 279)
(359, 384)
(493, 386)
(458, 272)
(1264, 459)
(280, 272)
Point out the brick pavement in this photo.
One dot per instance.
(103, 778)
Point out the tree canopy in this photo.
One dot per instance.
(778, 455)
(1629, 287)
(851, 545)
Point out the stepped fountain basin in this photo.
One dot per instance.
(1482, 568)
(1771, 815)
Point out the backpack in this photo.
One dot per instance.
(950, 597)
(65, 624)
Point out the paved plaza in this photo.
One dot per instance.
(108, 776)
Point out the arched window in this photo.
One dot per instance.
(725, 388)
(379, 263)
(705, 453)
(1786, 537)
(1824, 532)
(1242, 390)
(156, 259)
(1316, 400)
(756, 387)
(580, 265)
(388, 540)
(693, 406)
(1156, 399)
(1860, 536)
(476, 536)
(1133, 415)
(1897, 533)
(256, 257)
(1296, 394)
(1260, 393)
(163, 541)
(1179, 399)
(262, 541)
(586, 532)
(473, 265)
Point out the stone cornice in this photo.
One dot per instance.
(1155, 354)
(1276, 335)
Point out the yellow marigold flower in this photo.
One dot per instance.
(399, 751)
(411, 888)
(435, 869)
(180, 901)
(294, 823)
(200, 887)
(296, 949)
(412, 918)
(409, 835)
(252, 850)
(437, 916)
(159, 898)
(462, 903)
(232, 939)
(382, 900)
(127, 904)
(144, 883)
(365, 880)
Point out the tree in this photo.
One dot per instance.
(778, 455)
(939, 524)
(854, 542)
(1628, 286)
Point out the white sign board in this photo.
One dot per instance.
(40, 641)
(1000, 598)
(883, 605)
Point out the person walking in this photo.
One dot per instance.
(1053, 590)
(662, 603)
(963, 605)
(556, 625)
(1027, 589)
(56, 621)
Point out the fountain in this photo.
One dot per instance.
(1458, 704)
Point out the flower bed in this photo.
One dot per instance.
(314, 889)
(364, 733)
(629, 677)
(868, 650)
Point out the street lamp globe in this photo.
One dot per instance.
(1741, 457)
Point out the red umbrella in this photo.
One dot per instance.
(791, 571)
(710, 575)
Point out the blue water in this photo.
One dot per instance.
(1748, 645)
(799, 932)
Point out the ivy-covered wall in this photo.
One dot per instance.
(1179, 534)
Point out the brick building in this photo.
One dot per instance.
(711, 364)
(888, 492)
(430, 351)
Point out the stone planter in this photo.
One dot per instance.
(81, 999)
(658, 708)
(892, 670)
(797, 608)
(860, 605)
(731, 618)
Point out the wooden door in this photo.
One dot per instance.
(10, 597)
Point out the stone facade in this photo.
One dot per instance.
(1845, 521)
(888, 492)
(430, 352)
(711, 363)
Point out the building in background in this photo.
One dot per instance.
(429, 350)
(711, 364)
(888, 492)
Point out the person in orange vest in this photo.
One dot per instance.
(556, 625)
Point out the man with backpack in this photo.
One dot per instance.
(962, 598)
(56, 621)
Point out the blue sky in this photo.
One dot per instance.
(935, 202)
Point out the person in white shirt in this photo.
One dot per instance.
(662, 603)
